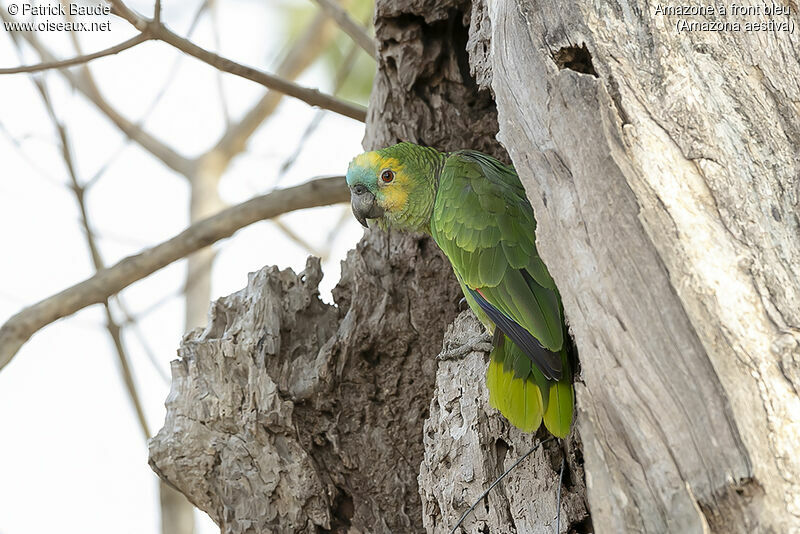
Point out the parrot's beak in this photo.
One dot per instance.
(364, 205)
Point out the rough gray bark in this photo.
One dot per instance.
(663, 170)
(424, 91)
(288, 414)
(468, 445)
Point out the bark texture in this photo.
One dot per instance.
(424, 89)
(663, 170)
(289, 415)
(468, 445)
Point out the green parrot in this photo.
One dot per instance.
(476, 210)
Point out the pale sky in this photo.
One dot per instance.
(72, 458)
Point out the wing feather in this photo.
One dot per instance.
(485, 225)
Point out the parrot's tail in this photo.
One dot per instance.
(522, 394)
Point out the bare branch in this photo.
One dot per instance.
(32, 163)
(164, 153)
(130, 43)
(153, 104)
(213, 16)
(84, 84)
(130, 322)
(307, 95)
(132, 319)
(111, 325)
(96, 289)
(310, 96)
(307, 48)
(349, 26)
(341, 76)
(124, 364)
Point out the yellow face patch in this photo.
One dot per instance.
(394, 194)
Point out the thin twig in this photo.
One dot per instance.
(173, 72)
(349, 26)
(130, 322)
(558, 494)
(310, 96)
(307, 95)
(82, 82)
(342, 74)
(78, 60)
(304, 51)
(96, 289)
(127, 374)
(496, 482)
(111, 325)
(31, 162)
(215, 35)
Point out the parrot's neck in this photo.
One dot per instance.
(416, 216)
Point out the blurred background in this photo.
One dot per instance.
(138, 146)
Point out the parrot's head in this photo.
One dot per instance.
(395, 185)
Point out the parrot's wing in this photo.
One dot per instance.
(484, 224)
(548, 361)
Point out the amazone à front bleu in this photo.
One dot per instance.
(476, 210)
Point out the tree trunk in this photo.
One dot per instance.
(663, 171)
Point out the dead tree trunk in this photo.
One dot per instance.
(663, 170)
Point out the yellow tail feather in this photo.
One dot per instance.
(520, 401)
(558, 416)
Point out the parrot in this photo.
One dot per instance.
(475, 209)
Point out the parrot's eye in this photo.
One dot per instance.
(387, 175)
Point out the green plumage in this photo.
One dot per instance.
(477, 212)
